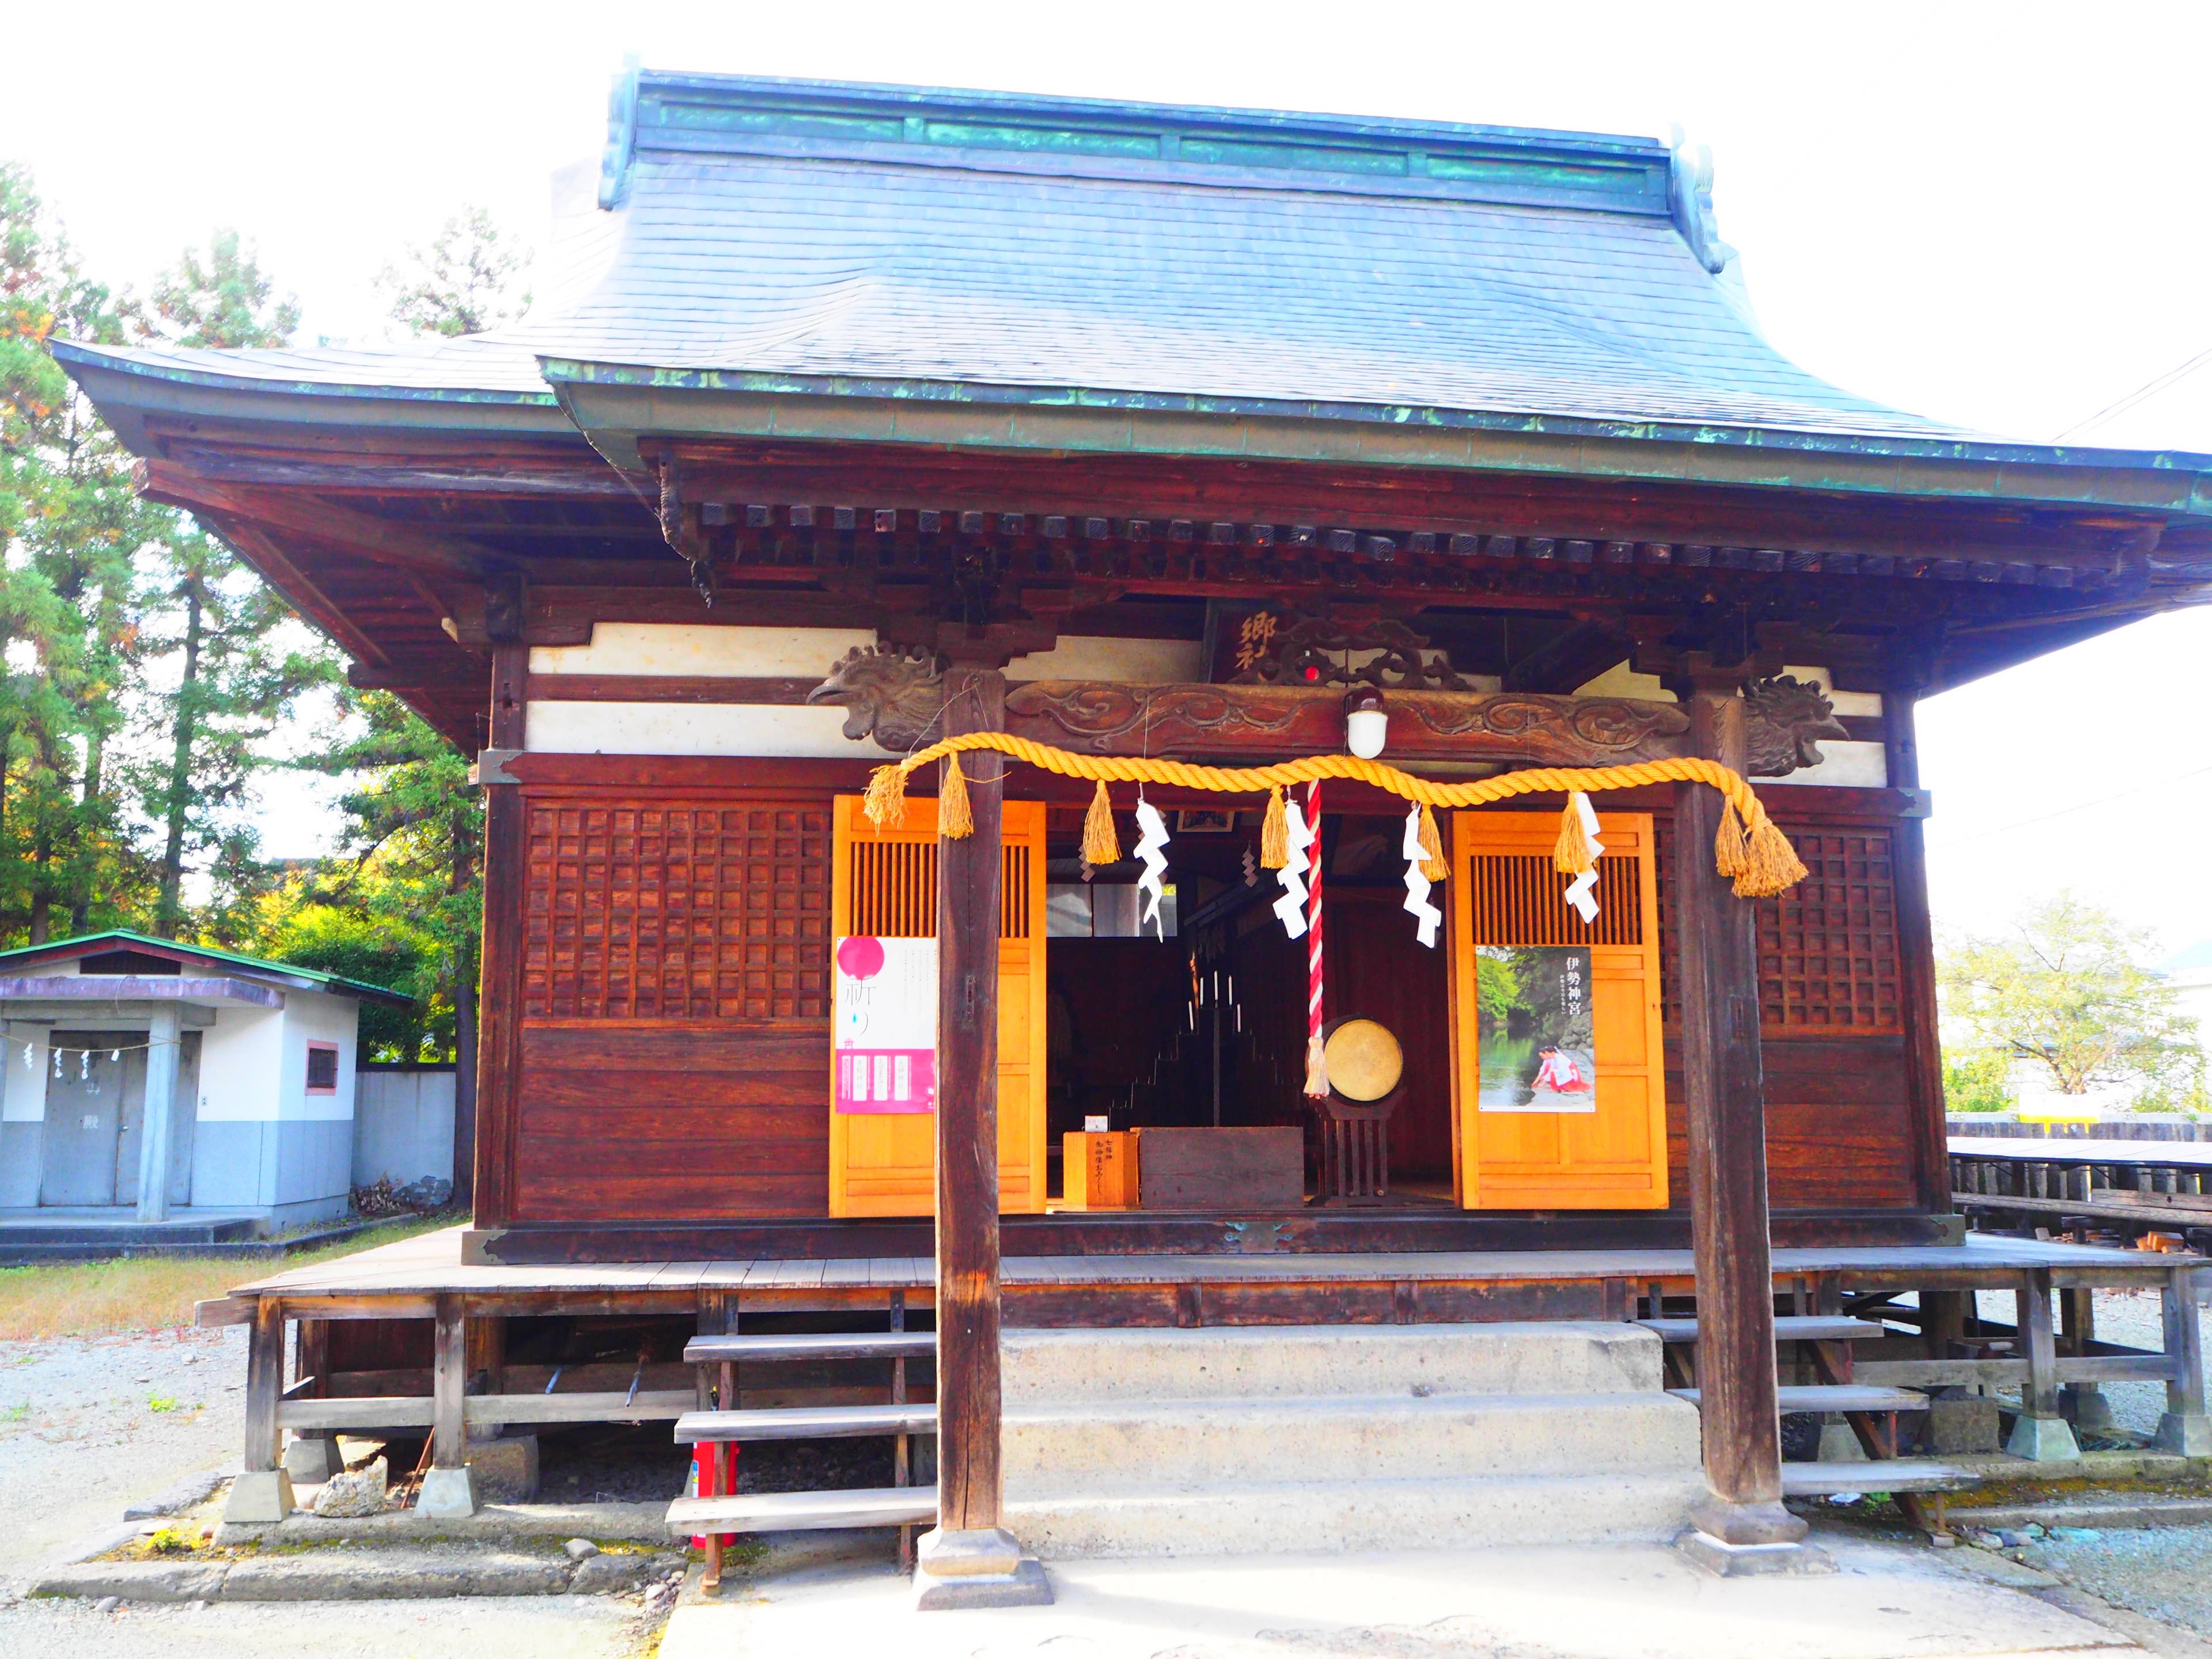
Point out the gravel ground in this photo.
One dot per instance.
(2162, 1572)
(88, 1426)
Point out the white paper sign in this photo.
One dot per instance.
(884, 1029)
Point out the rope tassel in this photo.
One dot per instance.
(1099, 844)
(1570, 853)
(1432, 846)
(955, 818)
(1274, 834)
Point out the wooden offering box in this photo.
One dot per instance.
(1232, 1169)
(1099, 1170)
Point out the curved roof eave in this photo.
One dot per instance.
(617, 404)
(127, 387)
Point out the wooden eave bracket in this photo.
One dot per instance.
(491, 766)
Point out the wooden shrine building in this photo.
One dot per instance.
(859, 417)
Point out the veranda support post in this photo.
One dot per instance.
(970, 1560)
(1741, 1525)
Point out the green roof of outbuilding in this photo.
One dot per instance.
(123, 939)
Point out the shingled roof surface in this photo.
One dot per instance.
(780, 235)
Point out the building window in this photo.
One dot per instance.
(322, 1068)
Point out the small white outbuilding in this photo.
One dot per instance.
(156, 1077)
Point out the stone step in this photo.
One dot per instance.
(1788, 1328)
(1882, 1474)
(1333, 1515)
(806, 1423)
(804, 1511)
(1837, 1397)
(1093, 1448)
(857, 1345)
(1068, 1367)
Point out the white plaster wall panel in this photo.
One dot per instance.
(663, 728)
(1843, 766)
(701, 649)
(23, 1087)
(240, 1057)
(1847, 766)
(317, 1016)
(1844, 702)
(1131, 662)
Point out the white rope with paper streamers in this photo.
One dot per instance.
(1581, 891)
(1152, 835)
(1426, 915)
(1290, 907)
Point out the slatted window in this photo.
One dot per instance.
(895, 890)
(694, 911)
(1516, 901)
(1827, 949)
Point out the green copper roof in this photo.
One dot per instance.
(123, 937)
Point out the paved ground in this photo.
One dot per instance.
(1888, 1601)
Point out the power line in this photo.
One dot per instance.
(2137, 395)
(2085, 805)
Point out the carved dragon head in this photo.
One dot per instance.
(1787, 720)
(889, 693)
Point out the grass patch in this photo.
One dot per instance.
(147, 1292)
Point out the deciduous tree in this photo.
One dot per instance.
(2068, 987)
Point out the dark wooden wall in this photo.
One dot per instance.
(675, 1042)
(673, 979)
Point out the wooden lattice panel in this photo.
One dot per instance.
(894, 888)
(697, 910)
(1516, 901)
(1827, 948)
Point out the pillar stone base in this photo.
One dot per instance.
(2189, 1435)
(258, 1497)
(1753, 1560)
(2084, 1405)
(2043, 1440)
(313, 1459)
(1742, 1525)
(447, 1494)
(980, 1567)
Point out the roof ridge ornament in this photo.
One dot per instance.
(1690, 201)
(621, 133)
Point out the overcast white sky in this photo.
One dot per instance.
(1991, 213)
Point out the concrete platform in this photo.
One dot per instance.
(1627, 1602)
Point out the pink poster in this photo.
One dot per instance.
(885, 1027)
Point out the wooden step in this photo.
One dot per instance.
(1836, 1397)
(859, 1345)
(1791, 1328)
(806, 1423)
(1886, 1474)
(805, 1511)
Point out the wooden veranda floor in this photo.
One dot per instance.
(403, 1280)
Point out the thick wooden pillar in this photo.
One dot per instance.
(1916, 951)
(970, 1560)
(262, 1493)
(448, 1486)
(968, 875)
(1723, 1080)
(499, 996)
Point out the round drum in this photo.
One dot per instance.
(1364, 1059)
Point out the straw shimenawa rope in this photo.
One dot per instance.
(1749, 849)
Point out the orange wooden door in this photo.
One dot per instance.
(1505, 891)
(883, 882)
